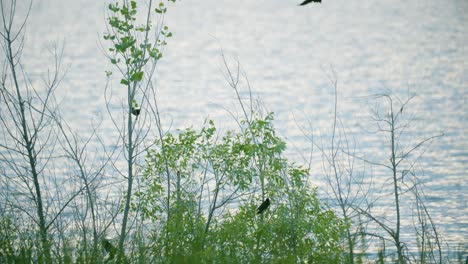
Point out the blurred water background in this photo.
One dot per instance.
(415, 47)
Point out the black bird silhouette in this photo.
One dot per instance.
(310, 1)
(109, 248)
(135, 111)
(263, 206)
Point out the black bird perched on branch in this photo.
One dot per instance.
(310, 1)
(135, 111)
(263, 206)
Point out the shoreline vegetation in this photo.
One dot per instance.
(192, 196)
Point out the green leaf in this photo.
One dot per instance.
(136, 77)
(124, 82)
(114, 8)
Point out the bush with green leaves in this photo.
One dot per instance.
(17, 243)
(217, 182)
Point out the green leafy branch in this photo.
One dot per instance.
(127, 50)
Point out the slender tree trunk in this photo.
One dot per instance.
(338, 180)
(93, 213)
(212, 208)
(395, 187)
(29, 145)
(130, 149)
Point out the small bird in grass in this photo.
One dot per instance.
(310, 1)
(109, 248)
(263, 206)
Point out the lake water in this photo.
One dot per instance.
(415, 47)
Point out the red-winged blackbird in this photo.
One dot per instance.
(310, 1)
(135, 111)
(263, 206)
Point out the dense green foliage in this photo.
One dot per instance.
(218, 180)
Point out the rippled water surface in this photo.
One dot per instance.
(401, 47)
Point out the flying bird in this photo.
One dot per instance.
(310, 1)
(263, 206)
